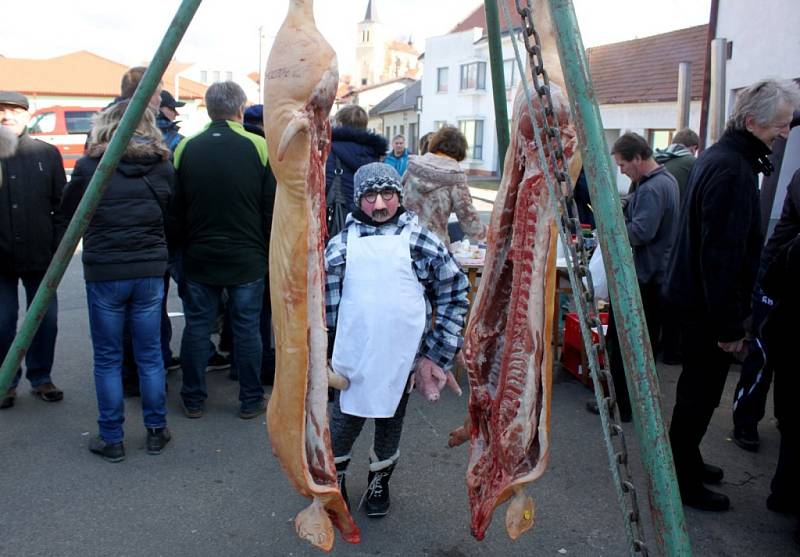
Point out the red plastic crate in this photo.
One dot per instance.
(573, 357)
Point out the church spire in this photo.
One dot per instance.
(372, 13)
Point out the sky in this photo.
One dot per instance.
(226, 33)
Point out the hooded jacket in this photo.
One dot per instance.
(678, 160)
(126, 237)
(435, 186)
(354, 148)
(715, 257)
(31, 224)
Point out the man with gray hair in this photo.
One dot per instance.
(223, 213)
(31, 181)
(712, 270)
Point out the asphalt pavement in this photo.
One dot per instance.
(218, 490)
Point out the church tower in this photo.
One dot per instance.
(370, 48)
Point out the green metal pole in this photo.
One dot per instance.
(640, 370)
(498, 81)
(94, 192)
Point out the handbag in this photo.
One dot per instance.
(336, 205)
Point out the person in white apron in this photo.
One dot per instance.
(384, 272)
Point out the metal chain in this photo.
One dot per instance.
(577, 256)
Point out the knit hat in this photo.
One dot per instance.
(375, 176)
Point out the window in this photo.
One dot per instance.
(43, 123)
(473, 131)
(511, 73)
(439, 124)
(442, 75)
(215, 76)
(659, 139)
(473, 76)
(79, 121)
(402, 130)
(204, 76)
(228, 76)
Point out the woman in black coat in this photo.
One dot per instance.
(124, 260)
(353, 147)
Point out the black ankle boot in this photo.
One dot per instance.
(377, 496)
(341, 471)
(704, 499)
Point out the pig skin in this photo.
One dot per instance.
(507, 349)
(300, 84)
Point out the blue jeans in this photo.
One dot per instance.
(109, 302)
(39, 358)
(201, 307)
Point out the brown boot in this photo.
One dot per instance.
(48, 392)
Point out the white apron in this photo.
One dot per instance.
(380, 324)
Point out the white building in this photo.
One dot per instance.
(635, 84)
(399, 114)
(763, 41)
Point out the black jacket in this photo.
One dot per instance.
(715, 258)
(354, 148)
(31, 225)
(223, 204)
(126, 237)
(787, 227)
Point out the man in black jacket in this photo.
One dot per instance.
(31, 226)
(712, 270)
(223, 206)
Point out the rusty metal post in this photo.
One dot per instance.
(94, 192)
(640, 371)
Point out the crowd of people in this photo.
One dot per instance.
(710, 291)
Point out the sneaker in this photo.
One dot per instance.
(173, 364)
(193, 412)
(48, 392)
(157, 439)
(110, 452)
(747, 438)
(8, 399)
(250, 413)
(218, 362)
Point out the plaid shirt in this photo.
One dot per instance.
(445, 285)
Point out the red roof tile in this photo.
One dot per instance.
(80, 74)
(646, 70)
(640, 70)
(478, 18)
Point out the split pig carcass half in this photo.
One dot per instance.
(508, 342)
(300, 84)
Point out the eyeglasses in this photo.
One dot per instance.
(386, 195)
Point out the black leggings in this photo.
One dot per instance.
(345, 429)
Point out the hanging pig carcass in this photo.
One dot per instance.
(507, 349)
(300, 84)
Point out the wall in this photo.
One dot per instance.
(766, 42)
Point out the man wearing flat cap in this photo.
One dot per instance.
(31, 181)
(166, 119)
(385, 275)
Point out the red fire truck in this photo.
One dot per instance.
(66, 127)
